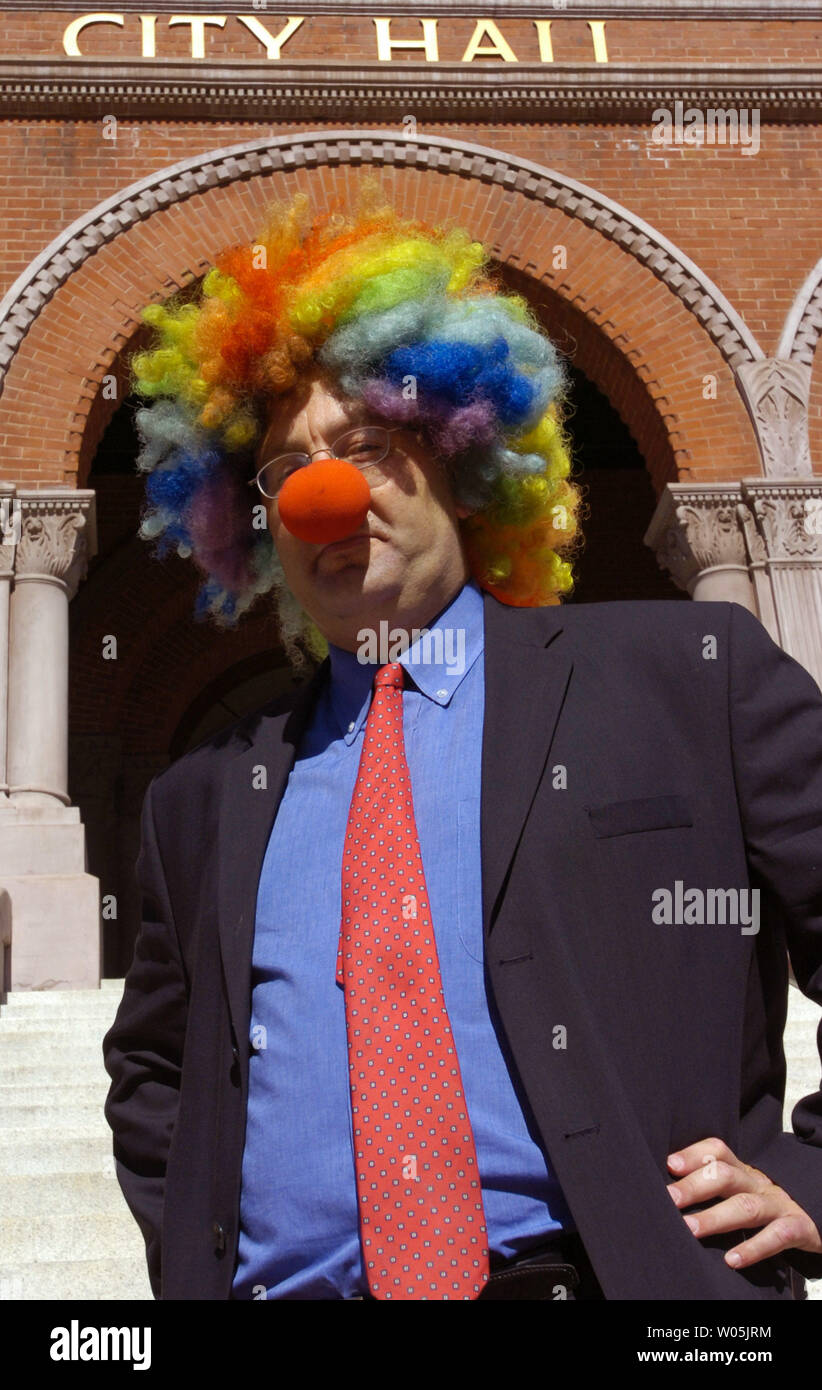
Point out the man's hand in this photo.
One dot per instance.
(709, 1169)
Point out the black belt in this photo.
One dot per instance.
(557, 1269)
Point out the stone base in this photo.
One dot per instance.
(53, 843)
(56, 933)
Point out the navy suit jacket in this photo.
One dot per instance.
(626, 747)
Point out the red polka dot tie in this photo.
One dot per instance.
(422, 1221)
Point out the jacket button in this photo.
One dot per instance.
(235, 1052)
(219, 1238)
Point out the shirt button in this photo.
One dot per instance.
(351, 727)
(441, 694)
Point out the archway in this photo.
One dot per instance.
(622, 293)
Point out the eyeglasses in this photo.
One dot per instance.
(366, 446)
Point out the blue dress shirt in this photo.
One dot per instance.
(299, 1233)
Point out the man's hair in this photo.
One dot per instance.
(407, 318)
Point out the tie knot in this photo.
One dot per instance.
(392, 674)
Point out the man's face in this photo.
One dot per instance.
(405, 562)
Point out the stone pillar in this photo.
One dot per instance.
(697, 536)
(9, 539)
(788, 519)
(55, 916)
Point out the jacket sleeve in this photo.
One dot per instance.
(143, 1050)
(775, 711)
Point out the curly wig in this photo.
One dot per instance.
(407, 318)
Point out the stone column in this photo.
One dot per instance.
(784, 504)
(697, 535)
(9, 539)
(55, 917)
(787, 516)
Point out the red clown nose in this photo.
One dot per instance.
(324, 501)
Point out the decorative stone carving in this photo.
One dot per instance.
(758, 543)
(55, 537)
(788, 517)
(696, 529)
(9, 528)
(776, 394)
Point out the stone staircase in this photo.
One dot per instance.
(65, 1230)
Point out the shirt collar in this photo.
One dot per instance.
(437, 660)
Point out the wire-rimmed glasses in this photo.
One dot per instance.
(366, 446)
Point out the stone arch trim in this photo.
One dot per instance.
(33, 289)
(803, 321)
(783, 393)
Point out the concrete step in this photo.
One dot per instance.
(62, 1194)
(56, 1028)
(70, 1236)
(16, 1069)
(42, 1044)
(46, 1001)
(83, 1093)
(68, 1151)
(66, 1281)
(47, 996)
(85, 1118)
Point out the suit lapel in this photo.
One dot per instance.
(527, 671)
(250, 795)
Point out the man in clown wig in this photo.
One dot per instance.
(463, 967)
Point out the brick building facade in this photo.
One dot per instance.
(682, 276)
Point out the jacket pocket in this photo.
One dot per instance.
(645, 813)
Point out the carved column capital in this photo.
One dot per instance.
(57, 535)
(696, 528)
(9, 528)
(776, 393)
(788, 517)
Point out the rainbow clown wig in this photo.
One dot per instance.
(379, 302)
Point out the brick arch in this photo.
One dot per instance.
(71, 316)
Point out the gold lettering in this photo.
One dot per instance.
(73, 31)
(597, 28)
(198, 24)
(486, 41)
(273, 43)
(498, 48)
(546, 48)
(385, 43)
(148, 25)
